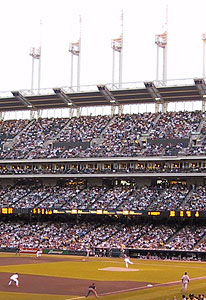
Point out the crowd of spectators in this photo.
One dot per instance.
(196, 199)
(141, 198)
(119, 197)
(10, 128)
(126, 236)
(44, 235)
(30, 143)
(187, 238)
(122, 137)
(198, 145)
(86, 198)
(84, 128)
(171, 198)
(113, 198)
(155, 237)
(82, 236)
(176, 125)
(62, 197)
(108, 136)
(201, 246)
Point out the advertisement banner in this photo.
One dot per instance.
(28, 250)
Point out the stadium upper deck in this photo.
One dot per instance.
(101, 95)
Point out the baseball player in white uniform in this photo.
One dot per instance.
(127, 261)
(38, 253)
(14, 278)
(185, 281)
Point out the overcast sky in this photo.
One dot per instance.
(20, 30)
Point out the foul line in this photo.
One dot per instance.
(155, 285)
(142, 287)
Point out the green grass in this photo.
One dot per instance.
(149, 271)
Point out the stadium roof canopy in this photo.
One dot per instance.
(64, 98)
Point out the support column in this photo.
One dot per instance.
(164, 107)
(70, 113)
(120, 110)
(31, 114)
(78, 112)
(203, 105)
(112, 110)
(38, 114)
(157, 107)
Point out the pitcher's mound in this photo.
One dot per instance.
(116, 269)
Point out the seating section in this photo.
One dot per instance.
(73, 236)
(78, 196)
(86, 198)
(61, 197)
(176, 125)
(171, 198)
(10, 128)
(129, 135)
(30, 143)
(196, 199)
(126, 136)
(84, 128)
(54, 235)
(140, 198)
(113, 198)
(187, 238)
(125, 236)
(122, 137)
(155, 237)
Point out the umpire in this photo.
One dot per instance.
(92, 289)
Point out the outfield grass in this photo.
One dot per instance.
(149, 271)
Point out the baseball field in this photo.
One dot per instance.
(68, 278)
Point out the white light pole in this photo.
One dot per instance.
(204, 42)
(117, 46)
(75, 50)
(35, 53)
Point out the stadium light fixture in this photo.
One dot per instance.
(62, 95)
(117, 47)
(155, 94)
(107, 94)
(161, 40)
(35, 53)
(204, 43)
(21, 98)
(201, 86)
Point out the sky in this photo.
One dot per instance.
(101, 22)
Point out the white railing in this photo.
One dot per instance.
(93, 87)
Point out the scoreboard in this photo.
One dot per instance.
(154, 214)
(168, 214)
(6, 211)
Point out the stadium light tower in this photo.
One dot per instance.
(161, 42)
(35, 53)
(75, 50)
(117, 46)
(204, 42)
